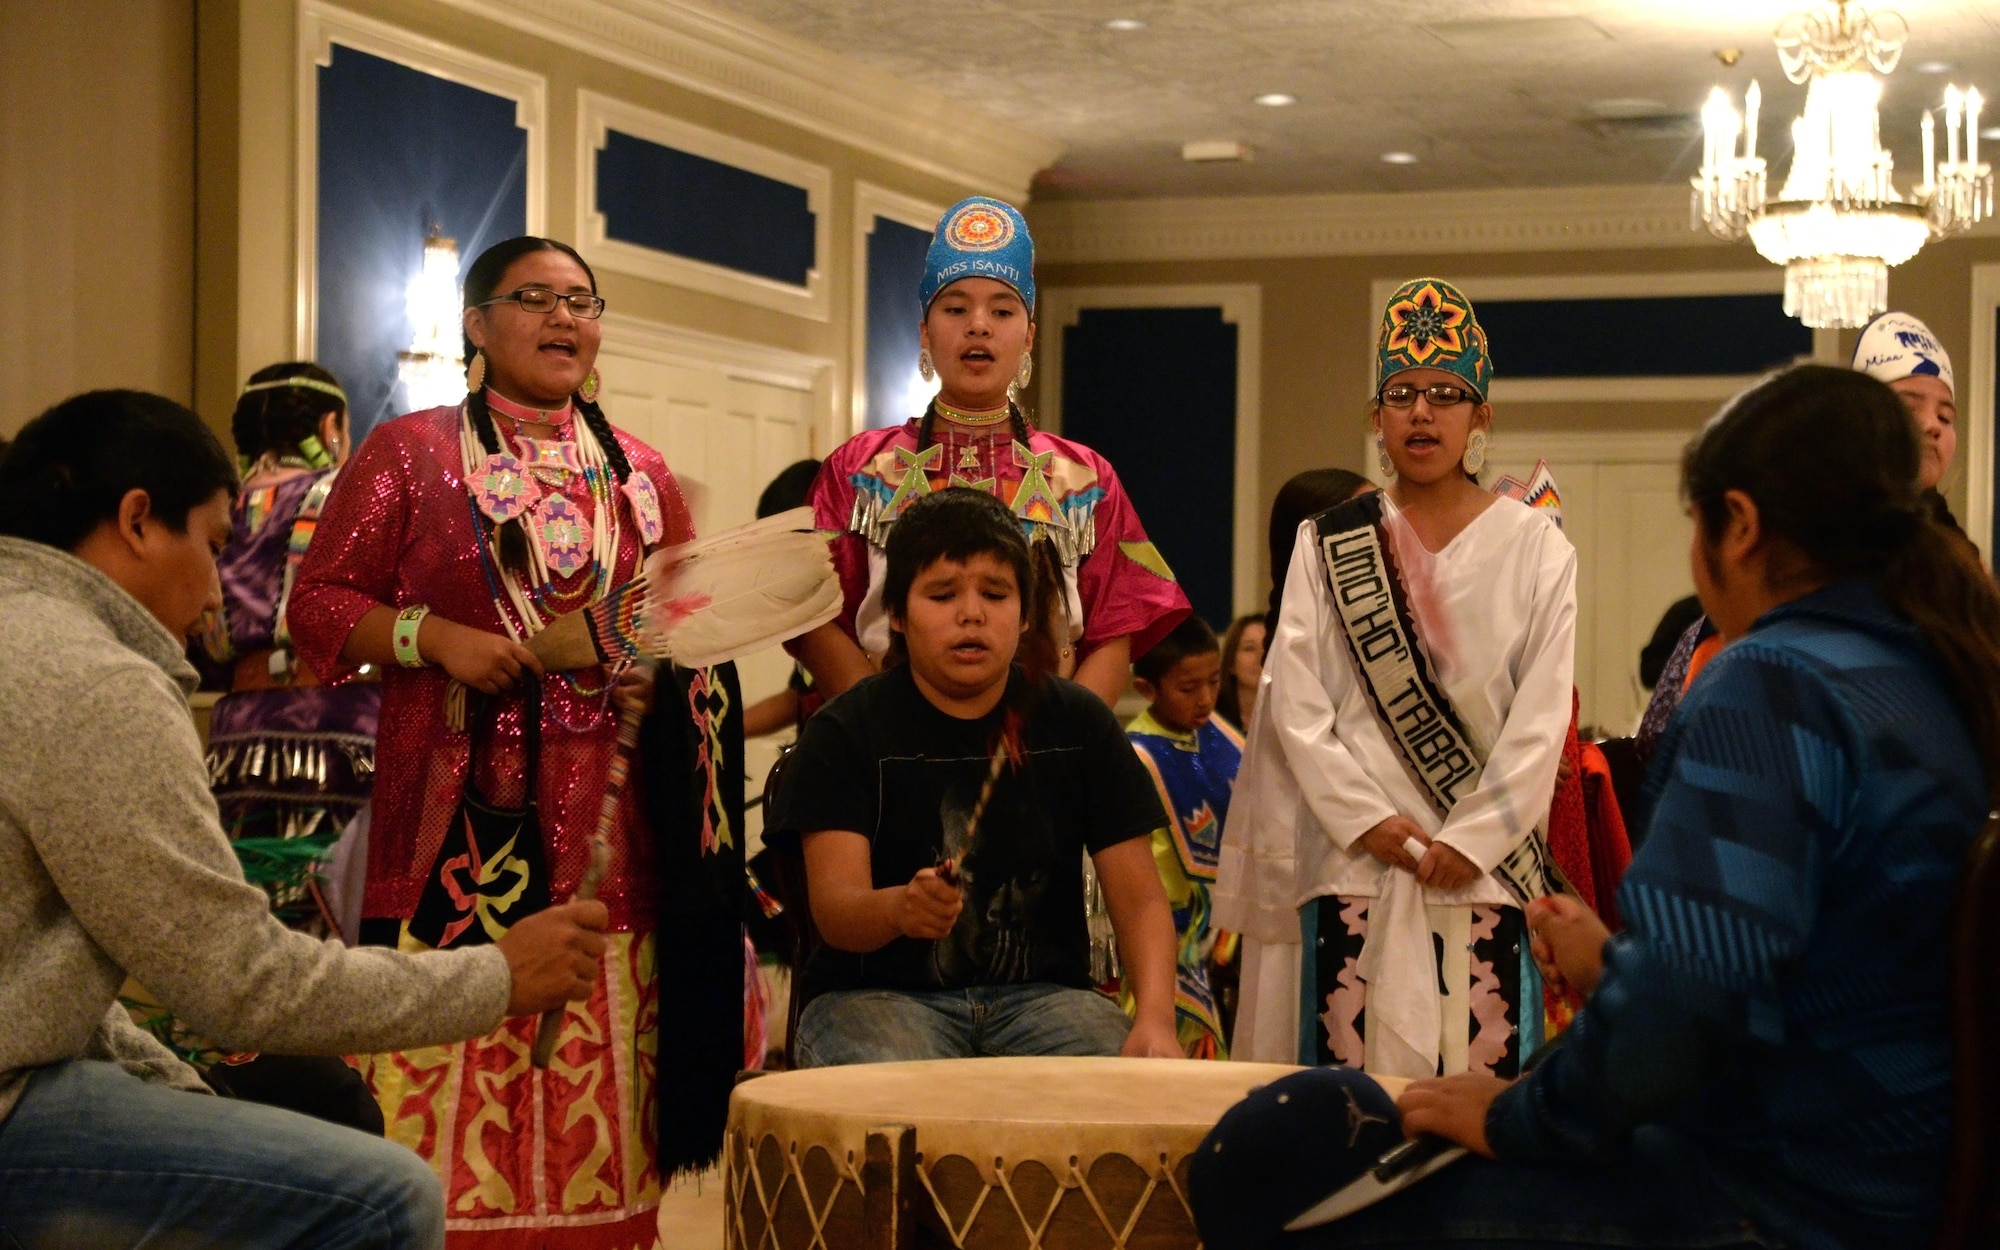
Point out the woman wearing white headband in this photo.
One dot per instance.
(1900, 350)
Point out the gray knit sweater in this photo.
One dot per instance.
(112, 862)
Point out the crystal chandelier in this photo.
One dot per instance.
(433, 370)
(1839, 222)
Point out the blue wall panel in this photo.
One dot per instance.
(1643, 336)
(1154, 391)
(895, 268)
(400, 150)
(674, 201)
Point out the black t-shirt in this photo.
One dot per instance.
(883, 762)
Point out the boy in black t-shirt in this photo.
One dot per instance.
(950, 894)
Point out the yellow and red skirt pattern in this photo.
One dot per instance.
(560, 1159)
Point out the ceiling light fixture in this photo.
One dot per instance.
(1933, 67)
(1399, 158)
(1124, 24)
(1839, 222)
(1275, 99)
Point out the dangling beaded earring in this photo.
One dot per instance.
(1025, 372)
(1475, 453)
(1382, 459)
(591, 385)
(925, 369)
(475, 372)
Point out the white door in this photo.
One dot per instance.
(1622, 511)
(725, 431)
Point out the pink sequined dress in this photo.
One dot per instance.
(1116, 584)
(562, 1157)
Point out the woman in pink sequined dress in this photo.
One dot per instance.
(454, 535)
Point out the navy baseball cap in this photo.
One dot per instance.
(1302, 1151)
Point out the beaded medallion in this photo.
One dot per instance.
(645, 500)
(564, 534)
(504, 491)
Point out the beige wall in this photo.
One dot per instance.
(97, 135)
(1317, 324)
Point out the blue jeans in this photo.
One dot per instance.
(883, 1026)
(1659, 1195)
(92, 1157)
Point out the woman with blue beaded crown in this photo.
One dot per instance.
(1110, 594)
(1420, 684)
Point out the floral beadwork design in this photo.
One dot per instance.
(1430, 324)
(564, 534)
(551, 461)
(504, 490)
(1424, 324)
(979, 227)
(645, 500)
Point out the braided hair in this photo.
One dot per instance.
(482, 282)
(279, 418)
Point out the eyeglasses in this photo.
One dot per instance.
(1440, 395)
(541, 301)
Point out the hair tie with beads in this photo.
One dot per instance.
(311, 384)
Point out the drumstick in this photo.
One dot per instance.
(1008, 748)
(600, 860)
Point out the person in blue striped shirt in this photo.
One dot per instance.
(1764, 1058)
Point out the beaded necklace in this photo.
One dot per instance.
(974, 449)
(557, 526)
(962, 417)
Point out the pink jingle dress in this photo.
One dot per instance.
(561, 1158)
(1115, 581)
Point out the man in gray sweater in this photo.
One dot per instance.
(113, 506)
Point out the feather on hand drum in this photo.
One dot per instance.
(1046, 1153)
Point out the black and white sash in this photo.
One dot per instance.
(1374, 610)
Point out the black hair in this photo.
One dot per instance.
(1830, 459)
(1305, 495)
(789, 489)
(482, 282)
(1229, 700)
(957, 523)
(71, 467)
(1189, 638)
(279, 418)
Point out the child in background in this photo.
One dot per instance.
(1192, 756)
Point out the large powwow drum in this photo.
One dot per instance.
(1048, 1154)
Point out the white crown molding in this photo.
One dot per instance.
(596, 115)
(1254, 227)
(759, 68)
